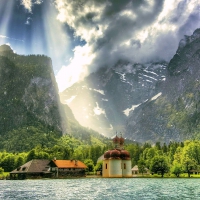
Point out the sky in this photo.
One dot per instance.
(82, 36)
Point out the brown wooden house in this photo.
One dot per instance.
(36, 168)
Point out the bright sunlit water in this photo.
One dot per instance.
(101, 188)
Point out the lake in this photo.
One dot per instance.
(101, 188)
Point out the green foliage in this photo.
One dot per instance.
(177, 169)
(90, 165)
(98, 166)
(134, 150)
(160, 165)
(181, 114)
(142, 166)
(10, 161)
(25, 85)
(1, 170)
(26, 138)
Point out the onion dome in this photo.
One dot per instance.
(107, 154)
(115, 153)
(124, 155)
(115, 140)
(121, 140)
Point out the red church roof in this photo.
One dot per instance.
(69, 164)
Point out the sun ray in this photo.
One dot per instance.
(5, 19)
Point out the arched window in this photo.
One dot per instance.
(124, 165)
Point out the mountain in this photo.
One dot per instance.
(175, 115)
(30, 107)
(29, 96)
(28, 91)
(155, 101)
(104, 99)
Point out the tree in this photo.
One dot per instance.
(19, 161)
(98, 166)
(158, 146)
(164, 148)
(190, 157)
(90, 165)
(149, 154)
(188, 165)
(1, 170)
(141, 166)
(31, 155)
(159, 165)
(178, 155)
(177, 169)
(8, 163)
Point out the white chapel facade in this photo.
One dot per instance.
(117, 162)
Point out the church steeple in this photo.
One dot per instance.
(116, 141)
(121, 142)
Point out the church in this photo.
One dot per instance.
(117, 162)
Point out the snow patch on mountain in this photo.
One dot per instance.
(122, 76)
(156, 96)
(68, 101)
(128, 110)
(150, 77)
(98, 111)
(99, 91)
(150, 72)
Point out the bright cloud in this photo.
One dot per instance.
(135, 31)
(29, 3)
(77, 69)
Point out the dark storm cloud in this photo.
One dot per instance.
(131, 30)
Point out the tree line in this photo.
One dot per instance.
(174, 158)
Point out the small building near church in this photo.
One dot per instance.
(67, 168)
(36, 168)
(117, 161)
(135, 170)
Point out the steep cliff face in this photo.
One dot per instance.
(175, 115)
(28, 93)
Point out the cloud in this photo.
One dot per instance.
(29, 3)
(130, 30)
(28, 21)
(5, 37)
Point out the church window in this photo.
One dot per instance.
(124, 165)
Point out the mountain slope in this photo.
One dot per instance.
(103, 100)
(28, 91)
(147, 102)
(175, 115)
(31, 112)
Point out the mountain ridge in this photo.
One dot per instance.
(146, 102)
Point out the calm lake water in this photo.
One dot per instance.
(101, 188)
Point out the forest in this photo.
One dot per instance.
(173, 159)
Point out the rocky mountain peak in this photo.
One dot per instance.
(5, 47)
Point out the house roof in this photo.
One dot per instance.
(69, 164)
(33, 166)
(135, 168)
